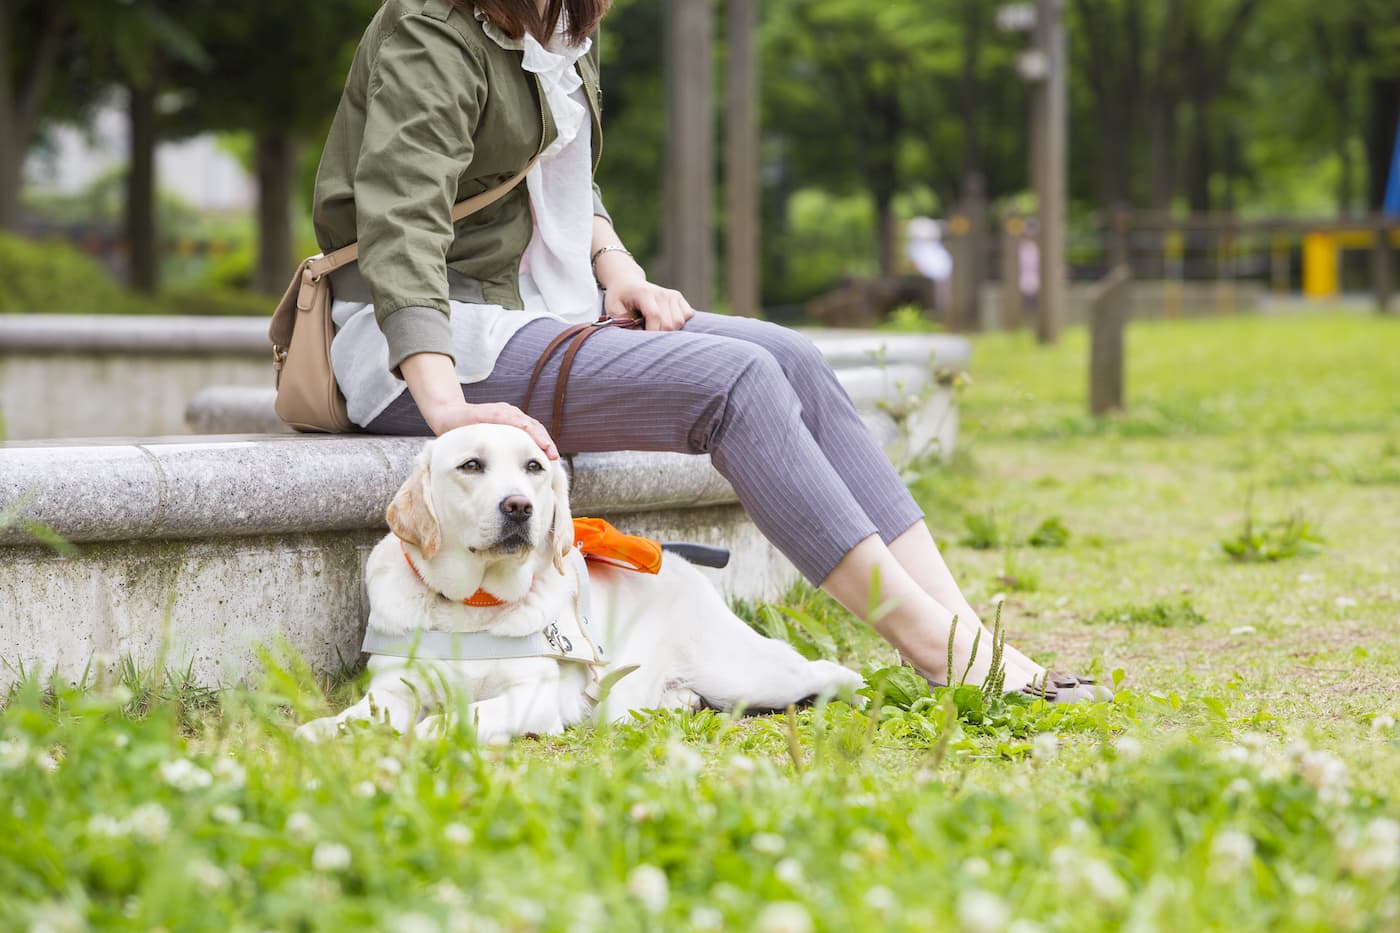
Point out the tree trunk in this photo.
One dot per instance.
(276, 167)
(884, 231)
(1161, 153)
(11, 134)
(1199, 165)
(11, 163)
(20, 101)
(143, 261)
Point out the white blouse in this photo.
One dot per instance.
(556, 279)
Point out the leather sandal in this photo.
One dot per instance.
(1041, 691)
(1055, 687)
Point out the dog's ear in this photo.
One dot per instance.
(562, 532)
(411, 514)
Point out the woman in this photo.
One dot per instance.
(441, 326)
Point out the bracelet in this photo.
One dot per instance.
(593, 263)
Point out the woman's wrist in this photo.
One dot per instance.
(616, 269)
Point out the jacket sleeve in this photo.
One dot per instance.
(598, 209)
(425, 94)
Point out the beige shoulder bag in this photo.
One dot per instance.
(308, 398)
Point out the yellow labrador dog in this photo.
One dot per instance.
(478, 592)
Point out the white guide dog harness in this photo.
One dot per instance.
(562, 640)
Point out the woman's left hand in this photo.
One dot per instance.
(660, 308)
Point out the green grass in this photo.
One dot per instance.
(1245, 778)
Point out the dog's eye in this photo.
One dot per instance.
(472, 466)
(534, 466)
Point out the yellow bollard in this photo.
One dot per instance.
(1320, 266)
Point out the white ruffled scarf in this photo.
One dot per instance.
(561, 189)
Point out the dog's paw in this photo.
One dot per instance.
(835, 680)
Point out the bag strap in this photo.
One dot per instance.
(324, 265)
(575, 337)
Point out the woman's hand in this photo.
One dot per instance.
(660, 308)
(432, 379)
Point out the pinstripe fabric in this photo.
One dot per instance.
(757, 397)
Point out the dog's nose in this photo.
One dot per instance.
(517, 508)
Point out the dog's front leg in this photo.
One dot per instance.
(389, 700)
(523, 709)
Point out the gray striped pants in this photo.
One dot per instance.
(757, 397)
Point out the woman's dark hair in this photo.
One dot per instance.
(517, 17)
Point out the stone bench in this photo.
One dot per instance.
(194, 549)
(132, 376)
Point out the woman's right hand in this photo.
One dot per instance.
(432, 378)
(444, 416)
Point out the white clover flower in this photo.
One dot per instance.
(685, 759)
(789, 872)
(226, 814)
(976, 867)
(783, 917)
(57, 918)
(1103, 882)
(1239, 787)
(330, 857)
(1373, 851)
(881, 899)
(642, 812)
(46, 762)
(415, 923)
(459, 834)
(364, 789)
(121, 740)
(230, 772)
(851, 862)
(1383, 723)
(1127, 747)
(648, 884)
(447, 894)
(1255, 741)
(742, 763)
(1231, 852)
(1234, 754)
(706, 918)
(184, 775)
(526, 911)
(982, 912)
(1045, 746)
(149, 822)
(208, 876)
(876, 848)
(1325, 773)
(104, 826)
(389, 766)
(768, 843)
(312, 785)
(1024, 926)
(301, 827)
(14, 753)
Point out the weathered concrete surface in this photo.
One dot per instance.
(208, 604)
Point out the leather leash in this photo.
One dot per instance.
(575, 336)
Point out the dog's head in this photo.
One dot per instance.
(489, 490)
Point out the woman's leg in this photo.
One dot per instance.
(832, 419)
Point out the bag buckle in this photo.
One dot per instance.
(279, 356)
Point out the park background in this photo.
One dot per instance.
(870, 114)
(1222, 549)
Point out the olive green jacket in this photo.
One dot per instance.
(434, 111)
